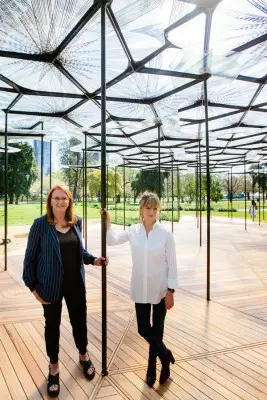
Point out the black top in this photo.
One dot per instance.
(70, 253)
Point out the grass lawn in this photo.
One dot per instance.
(24, 214)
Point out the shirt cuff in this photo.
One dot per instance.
(172, 283)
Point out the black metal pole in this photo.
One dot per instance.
(85, 192)
(6, 188)
(200, 197)
(245, 189)
(107, 187)
(259, 187)
(253, 194)
(172, 194)
(178, 195)
(167, 193)
(103, 186)
(50, 162)
(196, 193)
(116, 194)
(263, 195)
(124, 200)
(231, 193)
(208, 186)
(159, 182)
(42, 169)
(228, 202)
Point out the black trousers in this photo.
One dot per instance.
(153, 334)
(75, 298)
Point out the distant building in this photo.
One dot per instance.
(37, 154)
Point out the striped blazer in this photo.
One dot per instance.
(43, 267)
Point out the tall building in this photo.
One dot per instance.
(37, 154)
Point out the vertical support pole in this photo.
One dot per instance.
(253, 192)
(124, 199)
(172, 193)
(178, 195)
(103, 186)
(159, 177)
(208, 186)
(231, 193)
(263, 195)
(200, 197)
(85, 191)
(228, 187)
(115, 194)
(107, 186)
(50, 162)
(167, 192)
(6, 188)
(196, 193)
(245, 189)
(259, 187)
(42, 169)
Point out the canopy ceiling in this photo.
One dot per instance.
(159, 53)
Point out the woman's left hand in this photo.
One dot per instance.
(169, 300)
(98, 261)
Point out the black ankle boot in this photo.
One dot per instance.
(151, 371)
(165, 370)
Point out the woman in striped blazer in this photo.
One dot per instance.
(53, 269)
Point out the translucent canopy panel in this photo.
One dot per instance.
(82, 57)
(36, 75)
(183, 38)
(262, 96)
(6, 98)
(86, 115)
(44, 104)
(130, 110)
(236, 23)
(145, 86)
(38, 27)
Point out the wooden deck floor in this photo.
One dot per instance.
(220, 347)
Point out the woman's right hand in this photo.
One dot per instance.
(39, 298)
(106, 213)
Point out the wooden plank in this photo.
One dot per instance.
(40, 358)
(4, 392)
(18, 365)
(10, 376)
(30, 363)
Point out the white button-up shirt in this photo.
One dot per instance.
(154, 261)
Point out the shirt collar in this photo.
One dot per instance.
(156, 224)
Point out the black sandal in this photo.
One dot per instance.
(87, 364)
(53, 380)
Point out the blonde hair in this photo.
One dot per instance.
(148, 199)
(70, 217)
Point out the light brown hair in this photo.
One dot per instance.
(70, 217)
(148, 199)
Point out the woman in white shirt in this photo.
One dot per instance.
(154, 279)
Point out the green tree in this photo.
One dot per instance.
(216, 189)
(21, 173)
(148, 180)
(72, 164)
(94, 183)
(189, 188)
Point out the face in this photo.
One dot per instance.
(59, 201)
(150, 213)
